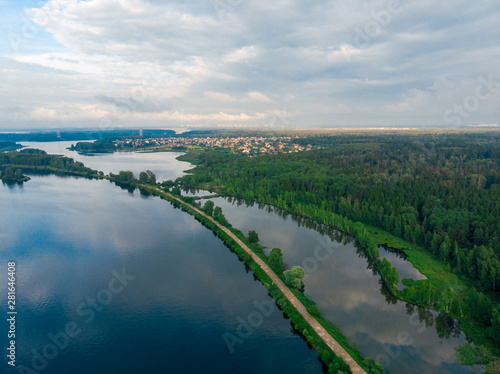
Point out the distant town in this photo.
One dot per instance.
(250, 146)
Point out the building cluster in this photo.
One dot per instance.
(247, 145)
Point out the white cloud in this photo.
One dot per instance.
(257, 96)
(226, 98)
(220, 96)
(415, 100)
(241, 54)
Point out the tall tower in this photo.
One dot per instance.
(140, 133)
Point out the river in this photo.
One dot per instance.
(340, 279)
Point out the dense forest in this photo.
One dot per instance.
(439, 191)
(35, 159)
(74, 135)
(9, 146)
(99, 146)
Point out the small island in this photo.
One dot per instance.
(11, 175)
(99, 146)
(12, 165)
(9, 146)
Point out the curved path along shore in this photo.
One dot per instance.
(329, 340)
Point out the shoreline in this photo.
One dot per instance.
(317, 328)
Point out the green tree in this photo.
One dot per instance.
(495, 326)
(373, 366)
(125, 176)
(147, 177)
(217, 211)
(293, 277)
(208, 207)
(143, 177)
(223, 220)
(390, 274)
(253, 237)
(275, 260)
(338, 366)
(326, 356)
(152, 177)
(314, 311)
(9, 174)
(445, 248)
(168, 183)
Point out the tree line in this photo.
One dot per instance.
(437, 191)
(30, 159)
(9, 146)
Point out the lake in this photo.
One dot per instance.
(71, 236)
(163, 164)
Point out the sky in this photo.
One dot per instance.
(281, 64)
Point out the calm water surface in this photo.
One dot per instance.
(405, 267)
(163, 164)
(68, 235)
(403, 338)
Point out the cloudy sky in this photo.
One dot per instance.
(260, 63)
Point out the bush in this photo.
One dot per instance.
(253, 237)
(208, 207)
(275, 261)
(338, 366)
(326, 356)
(314, 311)
(373, 366)
(293, 277)
(469, 354)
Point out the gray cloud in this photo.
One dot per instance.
(344, 63)
(15, 110)
(125, 103)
